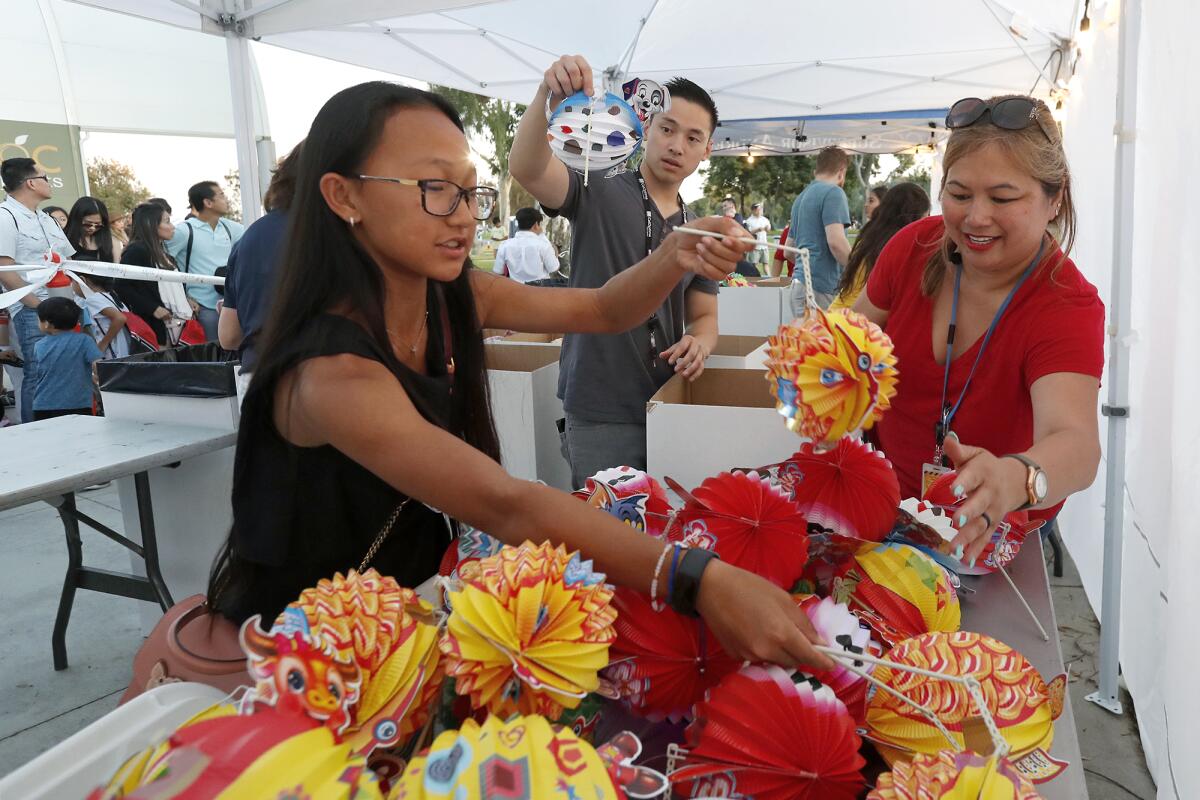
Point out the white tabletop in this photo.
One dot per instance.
(994, 610)
(45, 459)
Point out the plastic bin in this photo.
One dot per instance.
(75, 766)
(191, 385)
(199, 380)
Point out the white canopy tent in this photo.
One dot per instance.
(855, 65)
(897, 56)
(97, 71)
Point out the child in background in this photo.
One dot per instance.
(64, 358)
(107, 318)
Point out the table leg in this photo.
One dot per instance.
(1056, 546)
(141, 483)
(58, 641)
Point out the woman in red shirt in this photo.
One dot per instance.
(1015, 412)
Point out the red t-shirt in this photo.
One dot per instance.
(1052, 325)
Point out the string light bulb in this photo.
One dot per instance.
(749, 158)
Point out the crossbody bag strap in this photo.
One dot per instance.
(381, 537)
(187, 256)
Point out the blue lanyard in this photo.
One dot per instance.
(943, 425)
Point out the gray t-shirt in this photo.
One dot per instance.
(609, 378)
(820, 204)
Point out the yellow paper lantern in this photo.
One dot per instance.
(523, 757)
(529, 630)
(832, 373)
(948, 775)
(391, 634)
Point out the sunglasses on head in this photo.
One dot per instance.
(1011, 114)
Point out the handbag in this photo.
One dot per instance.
(193, 643)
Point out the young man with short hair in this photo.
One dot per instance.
(528, 256)
(617, 219)
(820, 216)
(26, 235)
(201, 245)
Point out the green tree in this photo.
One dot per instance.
(907, 170)
(233, 193)
(496, 121)
(774, 181)
(116, 185)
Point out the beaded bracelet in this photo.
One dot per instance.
(654, 601)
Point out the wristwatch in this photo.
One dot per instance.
(1037, 485)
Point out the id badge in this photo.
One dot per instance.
(929, 474)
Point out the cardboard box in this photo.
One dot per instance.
(497, 336)
(755, 310)
(523, 380)
(737, 352)
(767, 281)
(726, 418)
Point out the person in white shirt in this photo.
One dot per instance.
(528, 257)
(26, 236)
(759, 226)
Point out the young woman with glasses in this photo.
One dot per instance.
(89, 231)
(998, 334)
(370, 399)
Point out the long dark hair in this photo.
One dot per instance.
(902, 205)
(146, 219)
(323, 266)
(85, 207)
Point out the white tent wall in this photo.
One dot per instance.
(1158, 590)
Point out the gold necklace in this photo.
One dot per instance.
(412, 348)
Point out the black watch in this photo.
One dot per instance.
(687, 580)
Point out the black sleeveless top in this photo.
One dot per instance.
(303, 513)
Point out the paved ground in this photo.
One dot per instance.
(40, 707)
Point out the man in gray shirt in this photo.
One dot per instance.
(617, 219)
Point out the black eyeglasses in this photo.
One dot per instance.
(441, 198)
(1011, 114)
(45, 178)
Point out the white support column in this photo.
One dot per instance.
(241, 86)
(1117, 408)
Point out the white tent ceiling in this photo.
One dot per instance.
(76, 65)
(787, 58)
(829, 62)
(883, 132)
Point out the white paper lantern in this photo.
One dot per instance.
(594, 133)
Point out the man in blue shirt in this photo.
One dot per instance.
(250, 282)
(820, 216)
(202, 244)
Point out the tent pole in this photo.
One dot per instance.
(241, 86)
(1117, 408)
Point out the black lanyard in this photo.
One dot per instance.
(649, 207)
(942, 427)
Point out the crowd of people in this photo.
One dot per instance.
(355, 303)
(117, 313)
